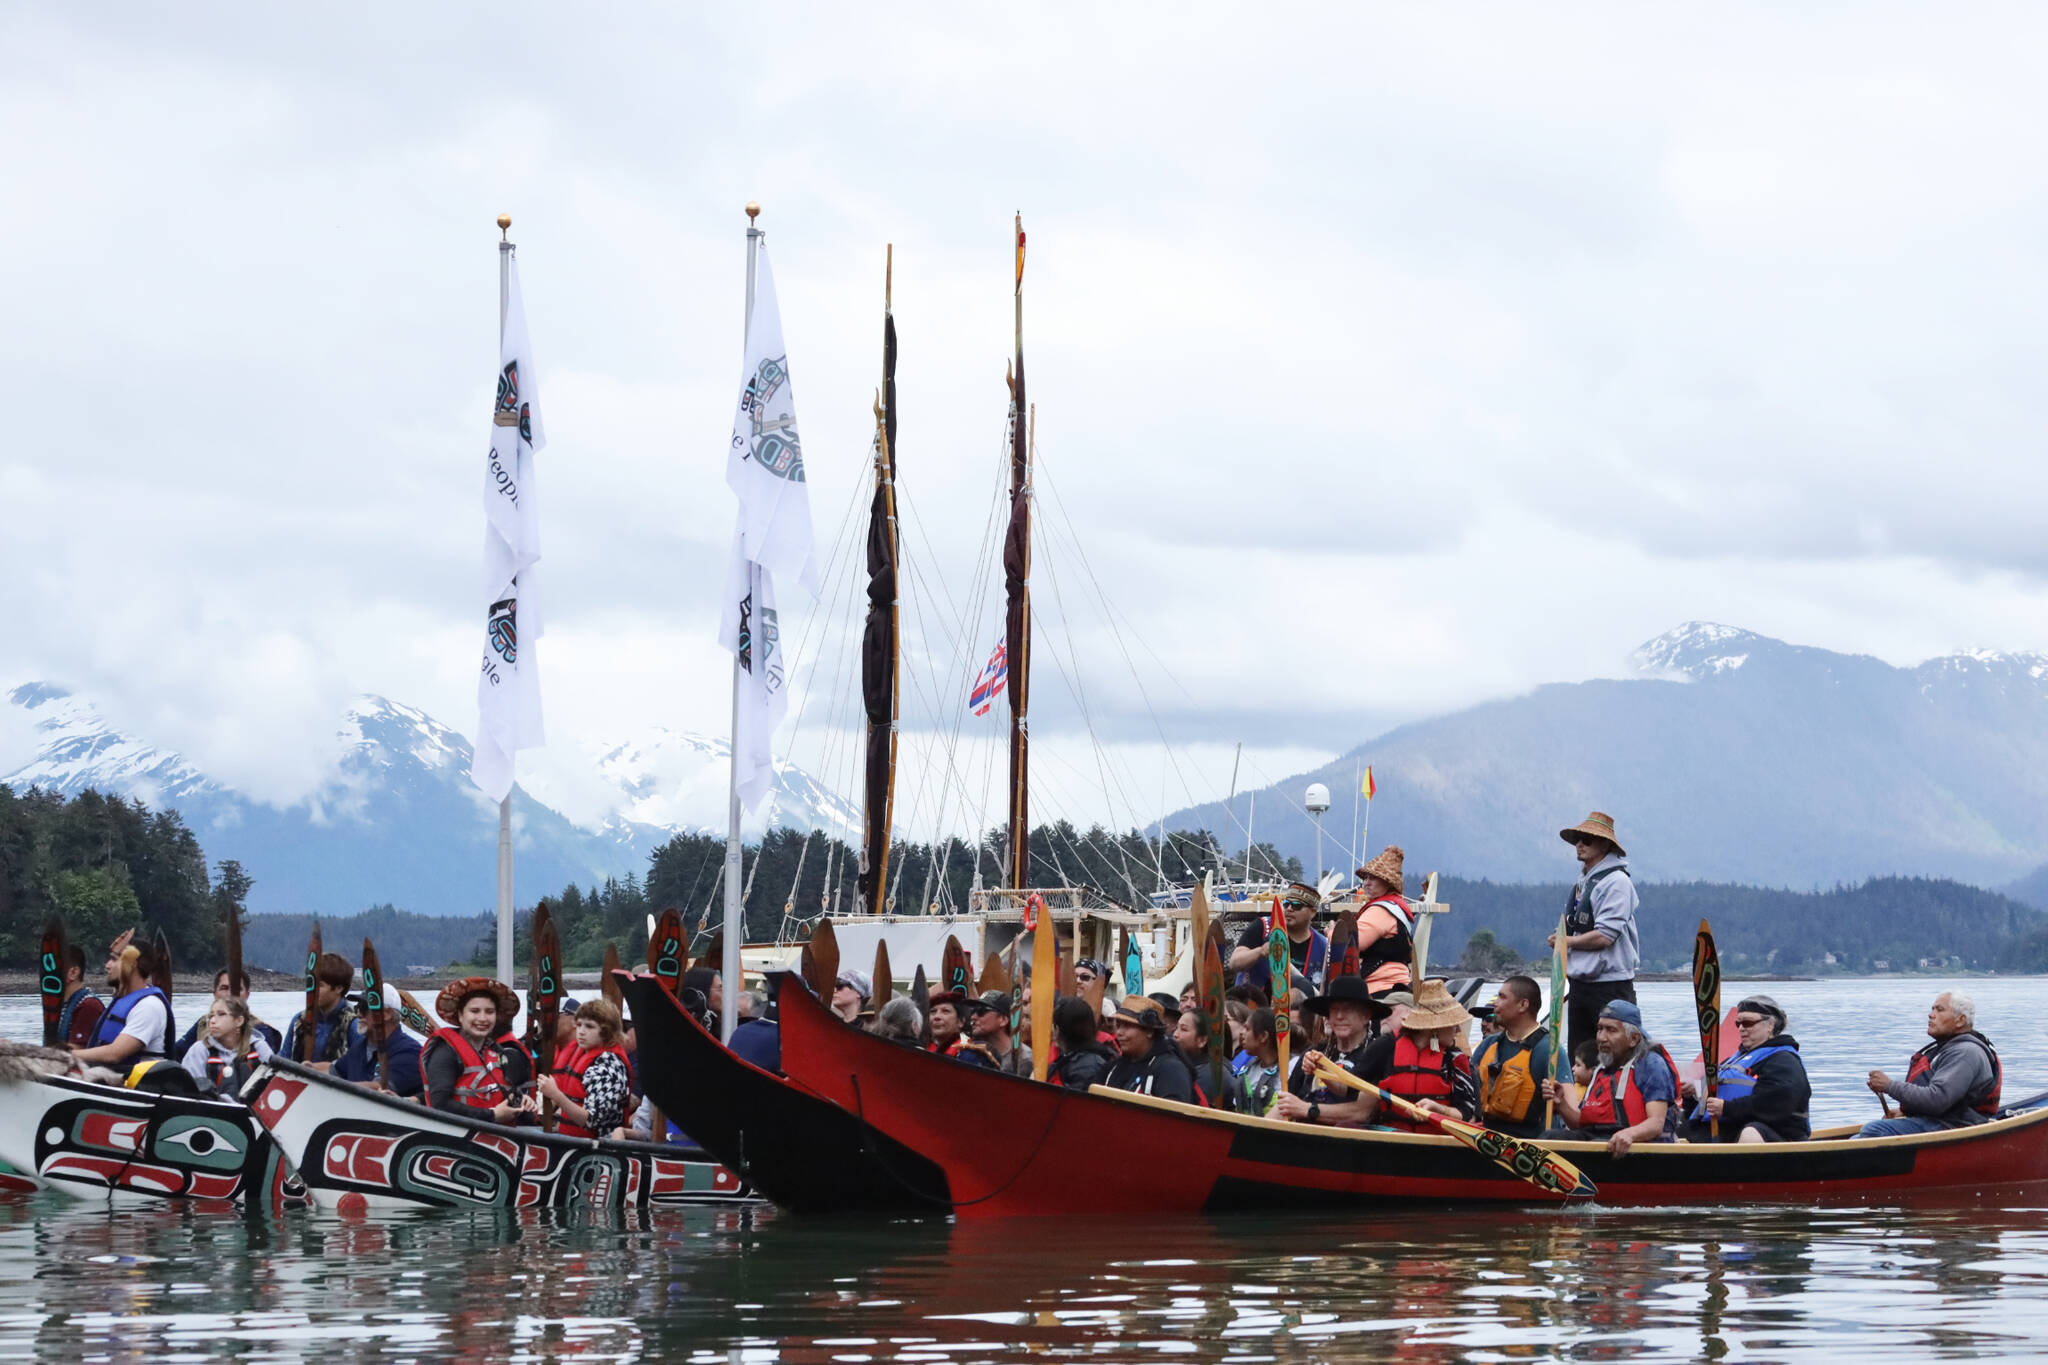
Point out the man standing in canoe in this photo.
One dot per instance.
(1600, 926)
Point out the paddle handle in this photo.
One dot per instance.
(1328, 1071)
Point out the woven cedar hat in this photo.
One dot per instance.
(1435, 1007)
(1386, 867)
(1599, 825)
(448, 1004)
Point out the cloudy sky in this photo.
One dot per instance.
(1385, 362)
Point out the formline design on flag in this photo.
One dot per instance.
(508, 683)
(765, 465)
(765, 468)
(993, 675)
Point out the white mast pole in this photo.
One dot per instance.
(735, 918)
(505, 806)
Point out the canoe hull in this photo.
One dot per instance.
(806, 1155)
(102, 1142)
(358, 1149)
(1013, 1147)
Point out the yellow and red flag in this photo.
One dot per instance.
(1367, 788)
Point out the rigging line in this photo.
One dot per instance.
(797, 659)
(1110, 607)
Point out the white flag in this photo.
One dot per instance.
(765, 466)
(748, 627)
(508, 687)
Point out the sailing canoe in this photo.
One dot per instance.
(357, 1149)
(804, 1154)
(1011, 1147)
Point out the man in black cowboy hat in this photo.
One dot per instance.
(1599, 926)
(1147, 1062)
(1350, 1008)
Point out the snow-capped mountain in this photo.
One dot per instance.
(397, 819)
(1731, 756)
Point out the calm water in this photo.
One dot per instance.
(83, 1283)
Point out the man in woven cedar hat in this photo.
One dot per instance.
(1599, 925)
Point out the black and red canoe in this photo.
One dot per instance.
(806, 1155)
(1009, 1146)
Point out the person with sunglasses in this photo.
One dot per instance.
(1761, 1093)
(1600, 927)
(1308, 950)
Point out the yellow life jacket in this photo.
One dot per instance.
(1507, 1085)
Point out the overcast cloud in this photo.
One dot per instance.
(1385, 363)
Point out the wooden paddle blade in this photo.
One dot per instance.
(807, 968)
(376, 1015)
(545, 1000)
(824, 948)
(608, 983)
(1277, 964)
(992, 976)
(50, 969)
(714, 952)
(162, 977)
(1213, 1012)
(1044, 991)
(1198, 926)
(1706, 999)
(884, 983)
(309, 1021)
(1093, 994)
(412, 1016)
(238, 975)
(921, 996)
(954, 970)
(665, 950)
(1133, 965)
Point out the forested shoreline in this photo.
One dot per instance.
(109, 863)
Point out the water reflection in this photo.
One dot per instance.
(80, 1282)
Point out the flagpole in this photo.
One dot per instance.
(504, 806)
(1357, 799)
(735, 920)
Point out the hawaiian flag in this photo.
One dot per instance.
(993, 675)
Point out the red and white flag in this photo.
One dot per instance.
(994, 674)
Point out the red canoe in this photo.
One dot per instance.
(1012, 1147)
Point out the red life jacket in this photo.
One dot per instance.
(569, 1069)
(1418, 1075)
(1613, 1104)
(1923, 1062)
(482, 1083)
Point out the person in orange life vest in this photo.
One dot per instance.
(1953, 1082)
(1350, 1008)
(1514, 1060)
(1423, 1062)
(137, 1026)
(1633, 1096)
(591, 1079)
(1386, 926)
(464, 1061)
(79, 1016)
(1307, 949)
(228, 1051)
(947, 1020)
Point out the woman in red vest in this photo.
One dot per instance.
(592, 1076)
(462, 1064)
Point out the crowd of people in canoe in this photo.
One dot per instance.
(1614, 1082)
(1366, 1015)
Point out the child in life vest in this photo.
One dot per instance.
(228, 1051)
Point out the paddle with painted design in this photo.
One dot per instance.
(1134, 965)
(544, 994)
(1044, 973)
(1531, 1161)
(665, 951)
(309, 1021)
(1283, 987)
(50, 969)
(412, 1015)
(1706, 999)
(1343, 950)
(608, 984)
(375, 1021)
(1560, 1057)
(955, 969)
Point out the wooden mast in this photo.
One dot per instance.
(1017, 582)
(882, 640)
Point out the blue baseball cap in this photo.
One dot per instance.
(1623, 1011)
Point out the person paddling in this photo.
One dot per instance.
(1512, 1063)
(136, 1027)
(464, 1066)
(1350, 1008)
(1954, 1082)
(1761, 1094)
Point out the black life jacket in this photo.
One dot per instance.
(1398, 946)
(1578, 914)
(228, 1072)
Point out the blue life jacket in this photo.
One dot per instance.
(1736, 1080)
(116, 1019)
